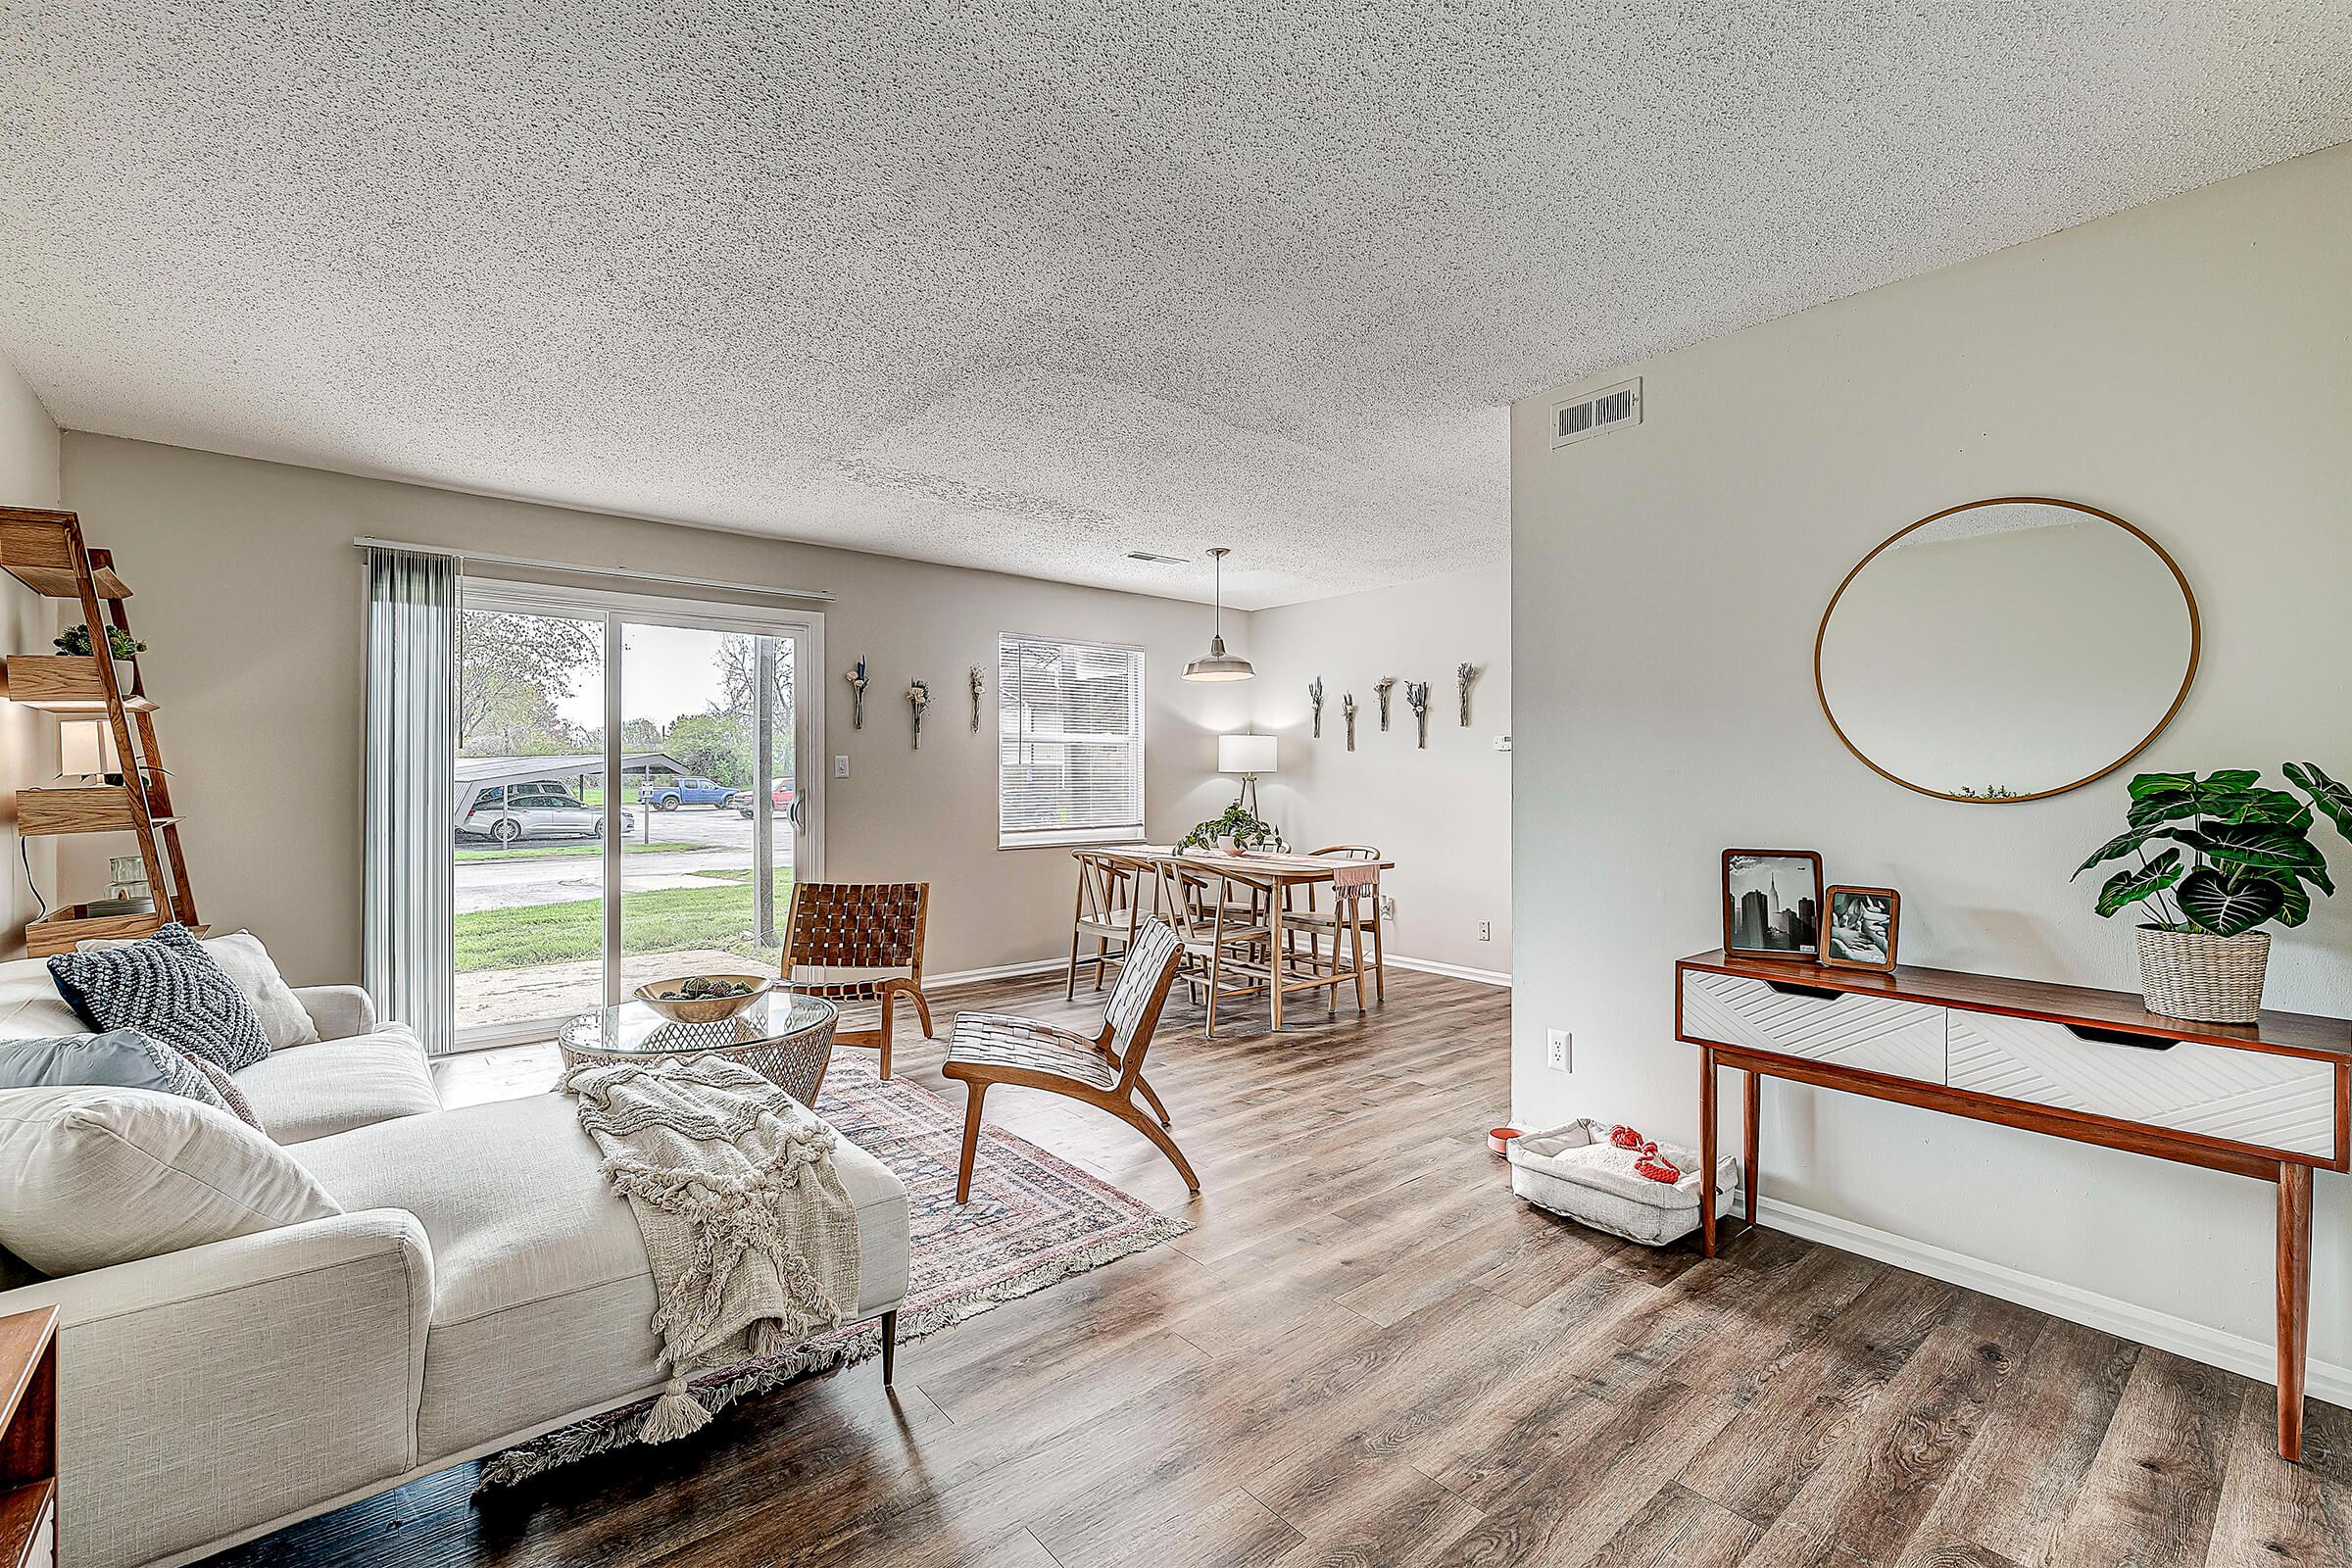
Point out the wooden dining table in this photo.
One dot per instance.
(1275, 874)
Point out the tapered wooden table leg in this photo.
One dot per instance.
(1747, 1169)
(2294, 1302)
(1707, 1152)
(1277, 971)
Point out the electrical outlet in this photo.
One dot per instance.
(841, 767)
(1486, 930)
(1387, 908)
(1557, 1044)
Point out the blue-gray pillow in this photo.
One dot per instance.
(120, 1058)
(167, 986)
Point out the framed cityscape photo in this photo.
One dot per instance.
(1772, 905)
(1861, 929)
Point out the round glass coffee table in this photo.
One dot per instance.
(784, 1038)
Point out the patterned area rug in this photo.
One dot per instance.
(1034, 1220)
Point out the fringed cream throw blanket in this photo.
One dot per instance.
(752, 1238)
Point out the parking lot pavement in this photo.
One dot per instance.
(721, 840)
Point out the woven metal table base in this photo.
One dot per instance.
(795, 1063)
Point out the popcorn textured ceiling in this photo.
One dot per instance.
(1026, 287)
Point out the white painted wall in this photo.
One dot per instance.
(2187, 366)
(1443, 814)
(28, 477)
(250, 594)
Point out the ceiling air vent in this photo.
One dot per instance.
(1156, 561)
(1597, 413)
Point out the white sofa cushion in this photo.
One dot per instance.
(96, 1176)
(543, 1304)
(331, 1087)
(30, 1004)
(250, 969)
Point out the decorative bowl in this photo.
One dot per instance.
(662, 997)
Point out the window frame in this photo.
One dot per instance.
(1138, 709)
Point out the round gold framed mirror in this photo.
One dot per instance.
(2006, 650)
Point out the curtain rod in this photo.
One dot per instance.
(626, 575)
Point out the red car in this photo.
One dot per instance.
(779, 796)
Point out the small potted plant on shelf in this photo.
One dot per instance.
(1239, 828)
(2235, 855)
(121, 645)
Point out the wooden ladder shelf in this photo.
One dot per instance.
(45, 551)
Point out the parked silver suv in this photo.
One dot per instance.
(541, 810)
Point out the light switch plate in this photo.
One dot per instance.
(841, 767)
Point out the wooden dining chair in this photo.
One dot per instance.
(1334, 923)
(839, 934)
(1217, 934)
(1108, 909)
(1104, 1070)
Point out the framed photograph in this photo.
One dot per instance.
(1772, 905)
(1861, 929)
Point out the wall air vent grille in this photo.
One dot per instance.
(1597, 413)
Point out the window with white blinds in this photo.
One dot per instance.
(1069, 741)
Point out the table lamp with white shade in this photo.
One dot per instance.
(1249, 755)
(85, 748)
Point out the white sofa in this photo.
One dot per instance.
(483, 1286)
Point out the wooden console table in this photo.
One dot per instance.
(2272, 1099)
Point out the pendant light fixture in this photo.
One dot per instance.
(1216, 664)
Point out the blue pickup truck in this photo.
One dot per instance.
(685, 791)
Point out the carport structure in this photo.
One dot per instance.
(475, 775)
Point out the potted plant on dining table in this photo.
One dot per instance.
(1237, 830)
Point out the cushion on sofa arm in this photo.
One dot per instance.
(96, 1176)
(170, 986)
(337, 1012)
(31, 1005)
(247, 962)
(336, 1085)
(204, 1394)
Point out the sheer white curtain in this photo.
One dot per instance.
(408, 959)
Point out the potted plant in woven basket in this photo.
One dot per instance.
(2218, 856)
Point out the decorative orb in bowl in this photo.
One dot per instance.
(705, 998)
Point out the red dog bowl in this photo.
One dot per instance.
(1499, 1139)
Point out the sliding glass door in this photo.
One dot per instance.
(629, 801)
(718, 706)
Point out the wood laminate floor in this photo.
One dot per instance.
(1369, 1353)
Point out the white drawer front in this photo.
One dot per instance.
(2248, 1097)
(1904, 1039)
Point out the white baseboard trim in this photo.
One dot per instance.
(1003, 971)
(1456, 972)
(1007, 971)
(2232, 1353)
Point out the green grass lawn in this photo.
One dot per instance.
(550, 852)
(663, 920)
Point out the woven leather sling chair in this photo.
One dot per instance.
(840, 933)
(1104, 1070)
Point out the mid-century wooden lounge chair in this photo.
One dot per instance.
(839, 934)
(1104, 1070)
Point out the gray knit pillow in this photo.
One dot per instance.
(167, 986)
